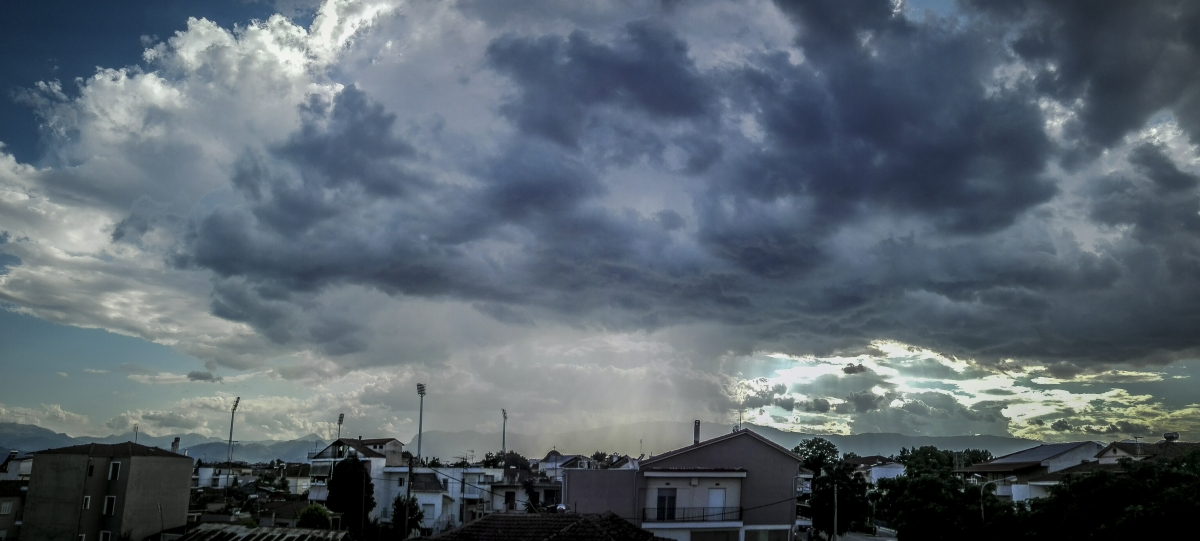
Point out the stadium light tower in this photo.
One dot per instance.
(420, 418)
(229, 458)
(504, 437)
(341, 417)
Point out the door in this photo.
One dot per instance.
(665, 504)
(716, 504)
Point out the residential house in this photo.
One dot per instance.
(1012, 473)
(547, 527)
(221, 474)
(555, 462)
(12, 503)
(298, 477)
(16, 466)
(875, 467)
(377, 454)
(738, 486)
(100, 492)
(1109, 459)
(465, 493)
(509, 494)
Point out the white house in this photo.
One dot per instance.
(377, 454)
(1011, 474)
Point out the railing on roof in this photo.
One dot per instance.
(691, 514)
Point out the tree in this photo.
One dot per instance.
(531, 496)
(852, 503)
(432, 462)
(817, 453)
(351, 493)
(406, 507)
(929, 506)
(602, 459)
(314, 516)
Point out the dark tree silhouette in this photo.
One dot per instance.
(351, 493)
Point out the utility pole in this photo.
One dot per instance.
(229, 458)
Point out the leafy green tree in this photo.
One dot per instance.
(314, 516)
(817, 453)
(492, 460)
(851, 501)
(403, 507)
(602, 459)
(351, 493)
(432, 462)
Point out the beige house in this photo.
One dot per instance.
(735, 487)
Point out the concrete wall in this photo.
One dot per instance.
(53, 503)
(768, 493)
(8, 522)
(154, 481)
(694, 495)
(597, 491)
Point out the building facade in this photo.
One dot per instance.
(99, 492)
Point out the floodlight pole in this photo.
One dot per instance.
(420, 418)
(229, 457)
(504, 438)
(341, 417)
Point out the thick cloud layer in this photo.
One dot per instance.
(1013, 183)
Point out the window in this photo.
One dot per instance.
(91, 469)
(110, 505)
(87, 502)
(401, 482)
(510, 500)
(82, 537)
(666, 504)
(5, 508)
(105, 536)
(114, 471)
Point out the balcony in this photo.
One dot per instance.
(692, 514)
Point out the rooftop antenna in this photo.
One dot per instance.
(341, 417)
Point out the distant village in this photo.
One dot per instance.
(737, 486)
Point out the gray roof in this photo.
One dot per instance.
(1042, 452)
(233, 532)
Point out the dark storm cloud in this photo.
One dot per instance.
(1123, 61)
(560, 79)
(887, 120)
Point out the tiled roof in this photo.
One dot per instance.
(713, 470)
(539, 527)
(232, 532)
(378, 441)
(282, 510)
(426, 482)
(743, 432)
(115, 450)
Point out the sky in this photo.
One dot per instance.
(930, 218)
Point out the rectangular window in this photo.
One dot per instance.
(510, 500)
(114, 471)
(401, 482)
(5, 508)
(91, 469)
(666, 504)
(110, 505)
(87, 502)
(105, 536)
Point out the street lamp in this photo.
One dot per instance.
(1010, 479)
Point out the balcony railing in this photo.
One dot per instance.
(691, 514)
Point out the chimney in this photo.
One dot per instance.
(175, 445)
(696, 433)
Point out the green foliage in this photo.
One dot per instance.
(406, 507)
(491, 460)
(602, 459)
(933, 461)
(351, 493)
(432, 462)
(314, 516)
(817, 453)
(852, 502)
(929, 506)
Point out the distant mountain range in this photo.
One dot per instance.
(662, 436)
(633, 439)
(28, 438)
